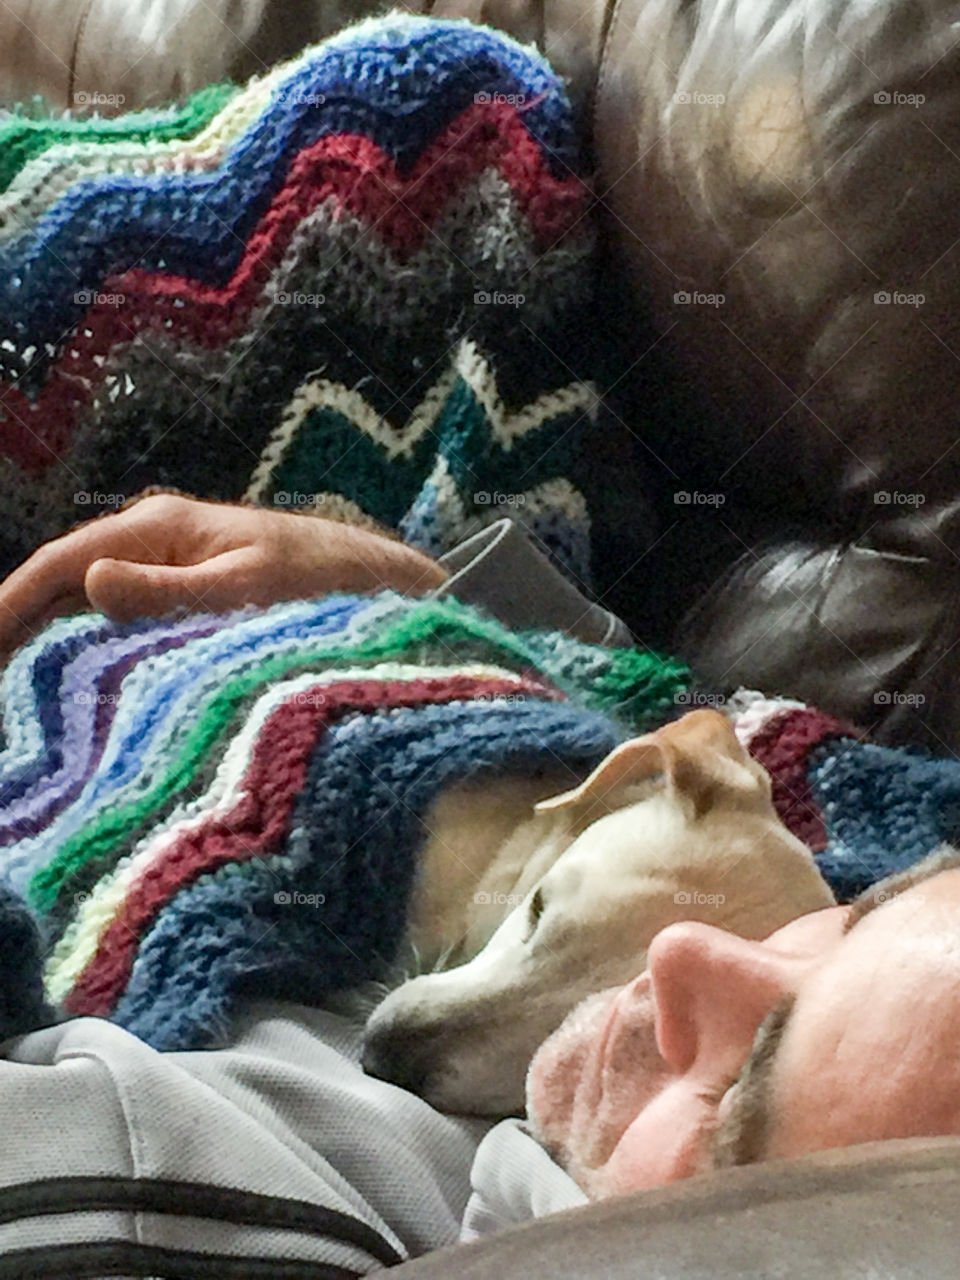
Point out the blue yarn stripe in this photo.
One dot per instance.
(198, 224)
(369, 784)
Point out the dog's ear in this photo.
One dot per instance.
(629, 763)
(699, 756)
(705, 759)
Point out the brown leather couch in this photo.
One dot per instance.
(780, 181)
(886, 1210)
(799, 159)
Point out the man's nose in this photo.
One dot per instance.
(712, 990)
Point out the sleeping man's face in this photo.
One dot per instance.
(842, 1027)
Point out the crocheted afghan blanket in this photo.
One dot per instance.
(362, 286)
(865, 811)
(201, 806)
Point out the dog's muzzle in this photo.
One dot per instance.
(397, 1055)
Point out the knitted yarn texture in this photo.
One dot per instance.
(864, 810)
(360, 286)
(214, 804)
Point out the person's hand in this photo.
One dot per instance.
(167, 551)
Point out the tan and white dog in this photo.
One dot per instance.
(676, 825)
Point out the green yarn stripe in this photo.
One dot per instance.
(636, 687)
(350, 463)
(22, 139)
(444, 624)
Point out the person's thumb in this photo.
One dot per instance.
(125, 589)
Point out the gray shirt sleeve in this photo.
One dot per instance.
(502, 570)
(513, 1180)
(275, 1147)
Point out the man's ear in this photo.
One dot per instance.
(604, 789)
(700, 757)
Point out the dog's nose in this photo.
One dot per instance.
(396, 1056)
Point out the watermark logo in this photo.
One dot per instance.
(694, 698)
(503, 699)
(94, 98)
(297, 98)
(91, 298)
(297, 899)
(484, 899)
(693, 898)
(694, 298)
(484, 498)
(894, 698)
(294, 498)
(483, 99)
(897, 298)
(96, 498)
(310, 698)
(298, 299)
(694, 98)
(893, 98)
(486, 298)
(886, 498)
(97, 699)
(686, 498)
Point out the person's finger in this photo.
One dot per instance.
(124, 590)
(59, 567)
(15, 632)
(25, 597)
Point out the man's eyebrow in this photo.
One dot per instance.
(861, 907)
(946, 857)
(742, 1136)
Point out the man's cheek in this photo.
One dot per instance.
(549, 1099)
(552, 1082)
(556, 1074)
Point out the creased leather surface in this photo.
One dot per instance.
(797, 159)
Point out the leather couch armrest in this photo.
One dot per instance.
(885, 1208)
(156, 51)
(142, 53)
(864, 628)
(38, 42)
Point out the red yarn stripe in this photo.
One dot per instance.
(782, 746)
(258, 823)
(347, 169)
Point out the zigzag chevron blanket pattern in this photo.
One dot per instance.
(865, 811)
(360, 285)
(196, 806)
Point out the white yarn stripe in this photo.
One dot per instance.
(76, 948)
(468, 363)
(55, 171)
(752, 711)
(44, 178)
(148, 681)
(21, 715)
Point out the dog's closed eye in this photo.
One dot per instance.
(536, 911)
